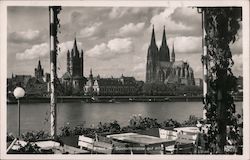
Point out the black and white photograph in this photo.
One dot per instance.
(125, 79)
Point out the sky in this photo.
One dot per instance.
(114, 40)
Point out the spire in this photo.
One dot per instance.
(75, 50)
(98, 76)
(91, 77)
(90, 74)
(164, 54)
(153, 37)
(75, 44)
(173, 54)
(68, 61)
(39, 64)
(164, 41)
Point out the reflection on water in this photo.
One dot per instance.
(36, 116)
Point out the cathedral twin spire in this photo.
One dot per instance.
(153, 43)
(164, 41)
(163, 53)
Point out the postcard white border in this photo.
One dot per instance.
(116, 3)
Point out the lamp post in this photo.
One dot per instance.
(19, 93)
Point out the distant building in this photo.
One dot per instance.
(161, 68)
(39, 71)
(73, 80)
(37, 85)
(46, 77)
(111, 86)
(17, 81)
(89, 87)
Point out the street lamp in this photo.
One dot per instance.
(19, 93)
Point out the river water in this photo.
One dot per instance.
(35, 116)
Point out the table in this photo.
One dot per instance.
(146, 140)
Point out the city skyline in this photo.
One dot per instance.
(114, 40)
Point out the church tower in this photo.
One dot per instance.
(68, 62)
(164, 50)
(173, 54)
(152, 58)
(39, 71)
(91, 78)
(75, 61)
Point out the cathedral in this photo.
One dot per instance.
(73, 80)
(162, 68)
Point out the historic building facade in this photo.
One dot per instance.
(162, 68)
(73, 80)
(111, 86)
(33, 85)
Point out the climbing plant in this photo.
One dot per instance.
(221, 26)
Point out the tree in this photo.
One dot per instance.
(221, 25)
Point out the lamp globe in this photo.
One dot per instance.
(19, 92)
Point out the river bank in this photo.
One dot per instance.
(113, 99)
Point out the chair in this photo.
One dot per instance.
(102, 147)
(183, 148)
(86, 143)
(95, 146)
(120, 148)
(185, 143)
(104, 139)
(187, 137)
(168, 134)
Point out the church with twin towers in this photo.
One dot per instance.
(162, 66)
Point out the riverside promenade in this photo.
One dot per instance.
(109, 99)
(112, 99)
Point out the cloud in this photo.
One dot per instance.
(163, 18)
(68, 45)
(186, 16)
(135, 13)
(188, 44)
(118, 12)
(236, 47)
(90, 30)
(182, 44)
(140, 67)
(42, 50)
(111, 49)
(237, 68)
(79, 17)
(177, 22)
(131, 29)
(76, 16)
(36, 51)
(28, 36)
(99, 50)
(122, 45)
